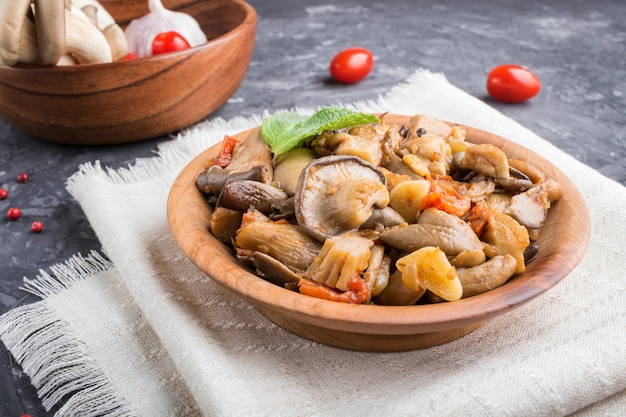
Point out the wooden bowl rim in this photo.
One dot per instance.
(197, 243)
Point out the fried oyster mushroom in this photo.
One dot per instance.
(341, 259)
(337, 194)
(382, 214)
(281, 240)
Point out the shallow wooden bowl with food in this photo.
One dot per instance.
(562, 243)
(126, 101)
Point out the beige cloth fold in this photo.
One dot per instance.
(144, 333)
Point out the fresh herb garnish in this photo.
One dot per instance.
(286, 131)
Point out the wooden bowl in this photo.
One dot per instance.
(127, 101)
(562, 243)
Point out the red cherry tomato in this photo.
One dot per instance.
(512, 83)
(129, 57)
(351, 65)
(168, 42)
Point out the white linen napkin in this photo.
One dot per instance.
(145, 333)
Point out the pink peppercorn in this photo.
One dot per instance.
(23, 177)
(36, 227)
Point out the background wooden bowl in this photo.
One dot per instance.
(562, 243)
(128, 101)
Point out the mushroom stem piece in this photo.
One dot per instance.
(85, 41)
(50, 22)
(341, 259)
(117, 41)
(487, 276)
(286, 242)
(29, 51)
(13, 13)
(101, 18)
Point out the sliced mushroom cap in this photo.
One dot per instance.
(251, 160)
(225, 223)
(383, 218)
(434, 228)
(498, 202)
(486, 276)
(213, 179)
(273, 270)
(504, 235)
(390, 159)
(283, 210)
(469, 258)
(517, 182)
(336, 194)
(533, 173)
(428, 125)
(530, 208)
(250, 152)
(479, 190)
(286, 242)
(432, 149)
(485, 159)
(242, 195)
(362, 141)
(553, 188)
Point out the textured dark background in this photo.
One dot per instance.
(577, 49)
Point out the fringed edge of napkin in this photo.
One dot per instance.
(56, 360)
(65, 275)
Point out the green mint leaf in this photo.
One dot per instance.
(286, 131)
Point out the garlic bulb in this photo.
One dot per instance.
(141, 32)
